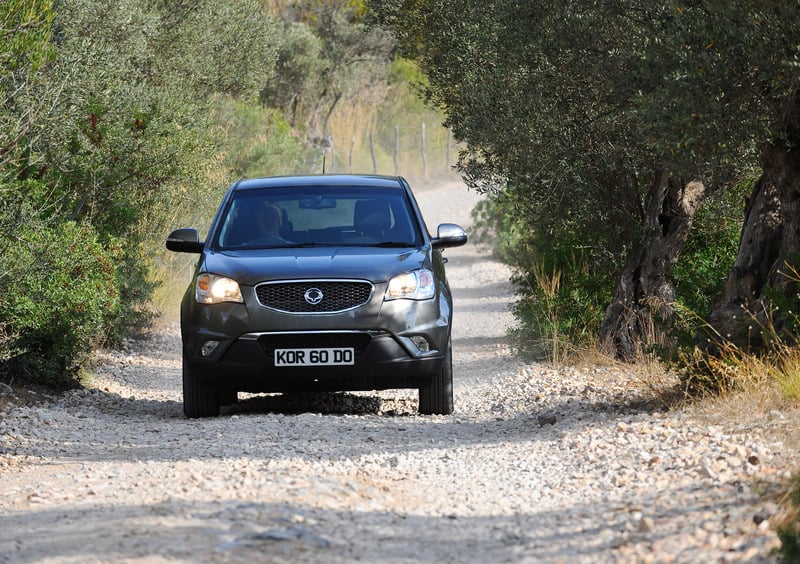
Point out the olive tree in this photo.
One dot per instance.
(25, 34)
(605, 123)
(329, 54)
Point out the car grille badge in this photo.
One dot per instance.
(313, 296)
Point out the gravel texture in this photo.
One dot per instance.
(538, 464)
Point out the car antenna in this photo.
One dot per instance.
(323, 163)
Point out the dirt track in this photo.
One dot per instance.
(537, 464)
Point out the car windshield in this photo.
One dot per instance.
(318, 216)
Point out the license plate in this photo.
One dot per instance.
(314, 357)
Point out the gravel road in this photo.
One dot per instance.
(538, 464)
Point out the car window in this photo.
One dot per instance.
(308, 216)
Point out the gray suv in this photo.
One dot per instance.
(317, 283)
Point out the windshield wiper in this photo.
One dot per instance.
(305, 245)
(393, 245)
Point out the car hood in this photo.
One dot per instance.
(252, 266)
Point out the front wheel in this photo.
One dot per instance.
(436, 398)
(199, 399)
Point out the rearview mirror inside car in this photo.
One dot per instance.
(318, 203)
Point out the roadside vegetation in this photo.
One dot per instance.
(123, 120)
(642, 185)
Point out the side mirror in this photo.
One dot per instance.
(449, 235)
(185, 240)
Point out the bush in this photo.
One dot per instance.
(565, 279)
(258, 140)
(561, 290)
(789, 529)
(58, 292)
(711, 248)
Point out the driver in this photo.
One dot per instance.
(268, 221)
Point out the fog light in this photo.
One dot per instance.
(208, 348)
(421, 343)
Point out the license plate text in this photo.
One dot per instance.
(314, 357)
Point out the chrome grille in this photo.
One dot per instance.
(336, 296)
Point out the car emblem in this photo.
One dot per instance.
(313, 296)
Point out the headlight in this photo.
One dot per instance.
(416, 285)
(213, 289)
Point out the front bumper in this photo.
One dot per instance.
(381, 361)
(231, 346)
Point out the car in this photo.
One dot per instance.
(310, 283)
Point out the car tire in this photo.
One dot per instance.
(199, 399)
(437, 397)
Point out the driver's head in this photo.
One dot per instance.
(269, 219)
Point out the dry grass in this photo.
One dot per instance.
(785, 372)
(15, 393)
(758, 394)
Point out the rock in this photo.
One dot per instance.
(646, 525)
(546, 419)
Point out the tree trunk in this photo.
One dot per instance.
(769, 248)
(759, 247)
(644, 292)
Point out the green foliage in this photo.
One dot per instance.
(329, 54)
(258, 140)
(561, 299)
(59, 290)
(128, 144)
(789, 528)
(215, 46)
(711, 248)
(24, 47)
(298, 71)
(25, 35)
(111, 136)
(405, 81)
(570, 119)
(560, 307)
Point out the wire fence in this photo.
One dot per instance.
(411, 150)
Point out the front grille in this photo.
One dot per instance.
(358, 341)
(299, 296)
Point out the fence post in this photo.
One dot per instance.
(350, 157)
(372, 154)
(396, 149)
(424, 157)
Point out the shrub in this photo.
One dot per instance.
(258, 140)
(789, 529)
(58, 292)
(711, 248)
(560, 305)
(561, 291)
